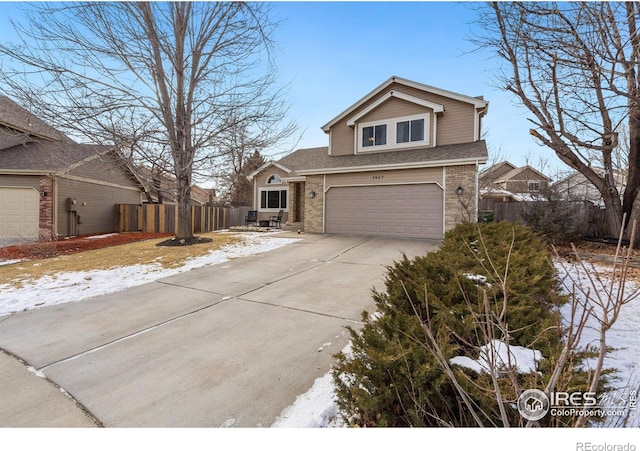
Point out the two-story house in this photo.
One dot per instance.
(506, 182)
(402, 161)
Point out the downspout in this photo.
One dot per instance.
(54, 187)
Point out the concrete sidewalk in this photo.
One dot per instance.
(226, 345)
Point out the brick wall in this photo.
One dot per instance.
(313, 206)
(463, 207)
(46, 208)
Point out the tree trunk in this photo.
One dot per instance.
(184, 231)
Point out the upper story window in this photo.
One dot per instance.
(410, 131)
(374, 135)
(394, 133)
(534, 186)
(274, 180)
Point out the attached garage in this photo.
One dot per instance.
(411, 211)
(20, 216)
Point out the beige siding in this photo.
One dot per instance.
(95, 205)
(104, 168)
(386, 177)
(394, 107)
(26, 181)
(260, 181)
(455, 126)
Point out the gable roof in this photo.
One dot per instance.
(493, 172)
(514, 173)
(477, 102)
(318, 161)
(20, 120)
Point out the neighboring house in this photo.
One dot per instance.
(402, 161)
(51, 186)
(161, 187)
(576, 187)
(506, 182)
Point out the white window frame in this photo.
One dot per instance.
(392, 125)
(278, 188)
(534, 183)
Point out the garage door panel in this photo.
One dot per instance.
(387, 210)
(19, 213)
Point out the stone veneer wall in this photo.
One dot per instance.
(460, 208)
(313, 207)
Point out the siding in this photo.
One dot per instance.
(26, 181)
(104, 168)
(260, 181)
(95, 205)
(455, 126)
(404, 176)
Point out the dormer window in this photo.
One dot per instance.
(394, 133)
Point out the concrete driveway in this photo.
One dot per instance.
(226, 345)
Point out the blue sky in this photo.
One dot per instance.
(332, 53)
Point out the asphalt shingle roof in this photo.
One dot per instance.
(318, 158)
(46, 156)
(16, 117)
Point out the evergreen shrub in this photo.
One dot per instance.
(391, 378)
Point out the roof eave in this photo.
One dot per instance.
(393, 166)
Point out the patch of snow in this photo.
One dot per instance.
(502, 355)
(314, 409)
(80, 285)
(99, 237)
(9, 262)
(36, 372)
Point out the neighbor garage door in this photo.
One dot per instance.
(413, 211)
(19, 213)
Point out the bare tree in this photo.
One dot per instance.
(575, 67)
(154, 75)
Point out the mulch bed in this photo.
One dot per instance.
(47, 249)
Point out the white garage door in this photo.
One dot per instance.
(412, 211)
(19, 213)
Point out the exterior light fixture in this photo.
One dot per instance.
(312, 194)
(459, 191)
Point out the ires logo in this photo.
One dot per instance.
(534, 404)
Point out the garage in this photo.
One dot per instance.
(19, 208)
(411, 211)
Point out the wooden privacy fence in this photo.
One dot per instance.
(592, 217)
(163, 218)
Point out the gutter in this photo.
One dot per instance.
(390, 167)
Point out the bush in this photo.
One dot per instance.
(393, 377)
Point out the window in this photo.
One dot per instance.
(274, 180)
(410, 131)
(375, 135)
(395, 133)
(534, 186)
(273, 199)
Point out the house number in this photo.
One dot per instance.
(378, 177)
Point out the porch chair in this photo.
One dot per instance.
(276, 221)
(251, 218)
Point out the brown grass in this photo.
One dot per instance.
(143, 252)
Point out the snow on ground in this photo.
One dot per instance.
(317, 407)
(80, 285)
